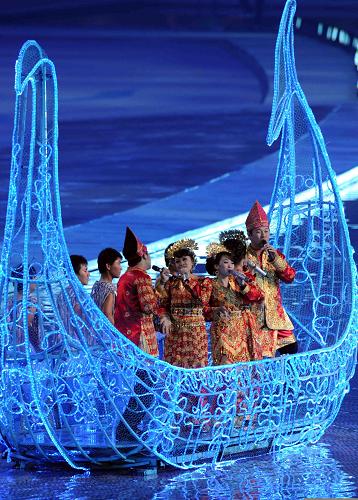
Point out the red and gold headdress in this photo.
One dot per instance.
(213, 249)
(257, 217)
(133, 247)
(186, 243)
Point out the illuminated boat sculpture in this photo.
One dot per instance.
(74, 389)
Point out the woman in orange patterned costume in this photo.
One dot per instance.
(235, 242)
(184, 301)
(235, 336)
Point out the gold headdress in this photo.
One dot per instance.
(214, 248)
(179, 245)
(232, 234)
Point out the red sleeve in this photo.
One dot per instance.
(252, 291)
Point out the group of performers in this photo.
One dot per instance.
(241, 299)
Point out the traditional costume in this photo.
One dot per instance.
(235, 338)
(136, 301)
(272, 317)
(184, 301)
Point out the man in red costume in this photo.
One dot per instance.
(136, 300)
(272, 316)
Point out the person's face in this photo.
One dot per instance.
(147, 260)
(184, 265)
(258, 235)
(224, 266)
(115, 268)
(83, 274)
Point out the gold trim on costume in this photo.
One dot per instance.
(276, 317)
(283, 341)
(279, 263)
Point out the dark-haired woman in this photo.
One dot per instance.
(104, 291)
(235, 242)
(235, 336)
(184, 303)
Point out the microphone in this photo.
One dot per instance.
(160, 269)
(256, 268)
(271, 255)
(241, 278)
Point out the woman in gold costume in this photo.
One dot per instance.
(235, 336)
(184, 301)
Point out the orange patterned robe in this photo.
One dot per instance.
(237, 338)
(184, 303)
(136, 302)
(272, 317)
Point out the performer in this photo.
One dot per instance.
(104, 291)
(235, 242)
(136, 301)
(273, 316)
(80, 266)
(183, 304)
(235, 335)
(166, 273)
(15, 318)
(68, 305)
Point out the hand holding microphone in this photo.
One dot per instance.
(271, 252)
(241, 278)
(164, 273)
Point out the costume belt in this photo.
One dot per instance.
(186, 311)
(181, 324)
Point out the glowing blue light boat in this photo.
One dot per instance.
(73, 389)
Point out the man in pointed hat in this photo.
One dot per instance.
(136, 301)
(272, 316)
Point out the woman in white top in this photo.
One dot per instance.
(104, 291)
